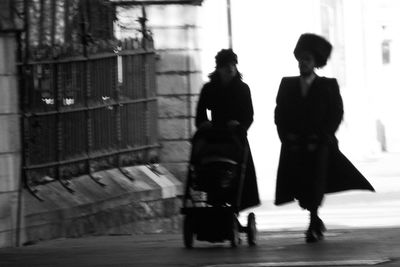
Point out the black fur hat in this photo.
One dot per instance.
(225, 56)
(318, 46)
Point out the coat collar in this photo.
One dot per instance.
(308, 80)
(306, 84)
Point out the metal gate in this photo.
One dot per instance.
(87, 107)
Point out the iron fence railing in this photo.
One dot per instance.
(84, 114)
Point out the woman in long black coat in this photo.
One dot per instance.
(308, 112)
(228, 99)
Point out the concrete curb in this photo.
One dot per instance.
(141, 199)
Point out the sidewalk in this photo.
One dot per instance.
(349, 209)
(363, 247)
(371, 236)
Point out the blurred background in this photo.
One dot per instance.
(365, 60)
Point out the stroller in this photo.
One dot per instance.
(214, 188)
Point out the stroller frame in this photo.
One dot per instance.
(217, 223)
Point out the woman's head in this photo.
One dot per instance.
(225, 62)
(224, 57)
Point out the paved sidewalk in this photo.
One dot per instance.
(349, 209)
(378, 242)
(361, 247)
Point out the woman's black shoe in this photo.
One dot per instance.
(315, 231)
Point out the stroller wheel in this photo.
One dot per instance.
(251, 229)
(188, 232)
(235, 238)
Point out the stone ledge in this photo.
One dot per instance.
(148, 204)
(179, 169)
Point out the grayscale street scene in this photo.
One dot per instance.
(202, 133)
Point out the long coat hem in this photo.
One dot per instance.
(342, 176)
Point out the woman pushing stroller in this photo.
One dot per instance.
(228, 99)
(221, 180)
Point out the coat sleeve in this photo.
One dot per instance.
(280, 120)
(335, 114)
(201, 110)
(247, 116)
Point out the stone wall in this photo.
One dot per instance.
(149, 203)
(175, 30)
(10, 146)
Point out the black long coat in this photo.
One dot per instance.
(314, 119)
(232, 102)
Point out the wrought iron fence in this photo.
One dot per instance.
(88, 100)
(84, 114)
